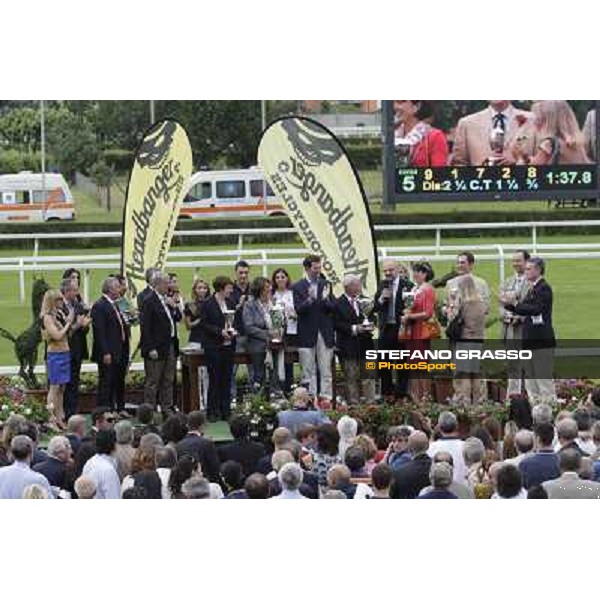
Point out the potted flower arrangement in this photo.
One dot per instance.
(14, 400)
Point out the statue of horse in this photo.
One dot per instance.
(27, 342)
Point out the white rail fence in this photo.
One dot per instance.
(437, 228)
(272, 257)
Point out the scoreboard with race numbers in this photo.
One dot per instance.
(509, 179)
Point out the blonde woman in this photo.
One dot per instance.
(56, 322)
(560, 140)
(468, 386)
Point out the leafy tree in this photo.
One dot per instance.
(71, 142)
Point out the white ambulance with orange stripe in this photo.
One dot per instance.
(30, 196)
(237, 193)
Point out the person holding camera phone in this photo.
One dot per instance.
(389, 304)
(77, 339)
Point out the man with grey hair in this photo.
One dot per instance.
(55, 468)
(450, 441)
(85, 488)
(570, 486)
(147, 291)
(525, 442)
(159, 345)
(290, 477)
(460, 490)
(389, 302)
(413, 476)
(473, 453)
(541, 413)
(16, 477)
(76, 426)
(124, 450)
(538, 333)
(110, 350)
(353, 339)
(566, 433)
(196, 488)
(440, 476)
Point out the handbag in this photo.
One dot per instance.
(455, 327)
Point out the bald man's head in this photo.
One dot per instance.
(390, 268)
(418, 443)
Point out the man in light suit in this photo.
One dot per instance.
(538, 333)
(472, 139)
(465, 265)
(569, 486)
(514, 287)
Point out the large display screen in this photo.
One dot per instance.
(490, 149)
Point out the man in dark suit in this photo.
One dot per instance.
(110, 350)
(147, 291)
(314, 305)
(543, 465)
(159, 345)
(242, 449)
(538, 333)
(413, 476)
(77, 340)
(389, 304)
(239, 295)
(352, 340)
(201, 448)
(55, 467)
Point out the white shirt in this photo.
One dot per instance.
(164, 474)
(453, 446)
(522, 495)
(103, 470)
(289, 495)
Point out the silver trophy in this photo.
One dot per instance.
(402, 151)
(277, 314)
(229, 318)
(365, 308)
(497, 139)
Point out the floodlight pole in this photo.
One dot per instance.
(152, 112)
(43, 148)
(263, 114)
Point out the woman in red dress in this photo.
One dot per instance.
(413, 324)
(422, 144)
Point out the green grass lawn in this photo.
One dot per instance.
(575, 284)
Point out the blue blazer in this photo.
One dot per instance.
(313, 315)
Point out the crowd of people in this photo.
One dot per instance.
(266, 317)
(500, 134)
(536, 455)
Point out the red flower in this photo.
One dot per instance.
(521, 120)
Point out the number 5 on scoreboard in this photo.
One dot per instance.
(408, 183)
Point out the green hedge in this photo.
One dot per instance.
(365, 156)
(13, 161)
(229, 239)
(121, 160)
